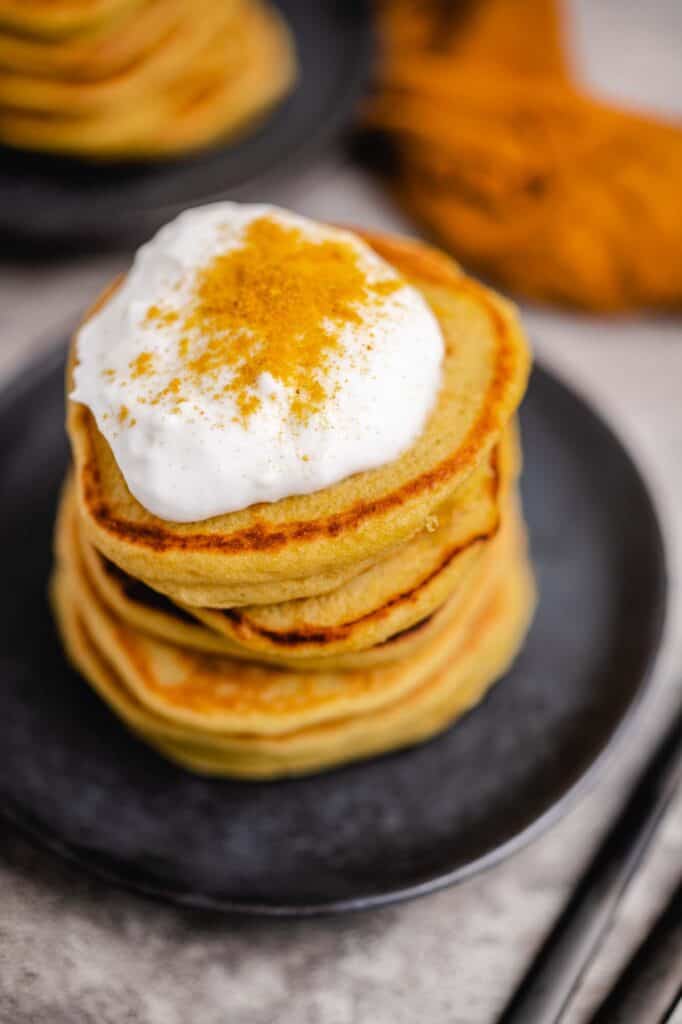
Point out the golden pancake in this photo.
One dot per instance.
(153, 613)
(212, 693)
(393, 594)
(54, 19)
(482, 659)
(363, 517)
(145, 609)
(257, 592)
(231, 79)
(209, 37)
(109, 50)
(484, 652)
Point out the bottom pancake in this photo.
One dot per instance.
(254, 722)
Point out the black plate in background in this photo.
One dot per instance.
(56, 201)
(368, 833)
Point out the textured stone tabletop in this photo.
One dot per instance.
(75, 950)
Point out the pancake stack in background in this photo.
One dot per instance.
(485, 134)
(293, 636)
(138, 78)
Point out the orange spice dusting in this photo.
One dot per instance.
(123, 414)
(157, 315)
(277, 303)
(171, 390)
(142, 365)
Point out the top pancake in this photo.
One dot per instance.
(484, 376)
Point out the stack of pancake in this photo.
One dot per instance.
(293, 636)
(137, 78)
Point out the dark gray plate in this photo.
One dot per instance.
(370, 833)
(53, 201)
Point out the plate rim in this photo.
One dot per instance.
(116, 872)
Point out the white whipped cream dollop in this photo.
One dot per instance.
(182, 442)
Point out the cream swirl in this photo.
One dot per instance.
(251, 354)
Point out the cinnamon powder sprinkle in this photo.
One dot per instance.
(276, 304)
(142, 365)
